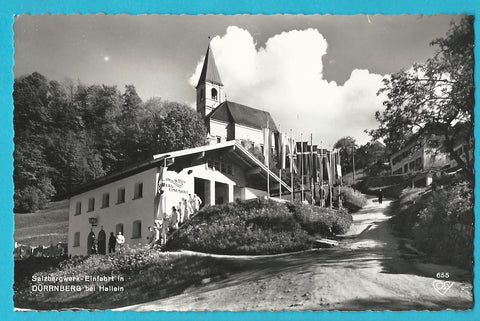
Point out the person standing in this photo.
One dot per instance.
(181, 212)
(151, 236)
(191, 203)
(197, 202)
(163, 228)
(120, 240)
(112, 241)
(174, 218)
(186, 206)
(380, 196)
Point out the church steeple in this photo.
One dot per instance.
(210, 92)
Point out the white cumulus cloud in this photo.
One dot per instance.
(285, 77)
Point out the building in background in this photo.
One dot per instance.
(426, 156)
(226, 120)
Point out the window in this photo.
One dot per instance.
(91, 204)
(405, 168)
(223, 167)
(219, 139)
(121, 195)
(78, 208)
(119, 228)
(216, 165)
(138, 192)
(229, 169)
(214, 94)
(105, 200)
(210, 164)
(137, 229)
(76, 239)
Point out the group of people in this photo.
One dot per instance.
(113, 242)
(180, 214)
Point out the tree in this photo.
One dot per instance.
(346, 145)
(437, 94)
(180, 128)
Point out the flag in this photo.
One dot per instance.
(283, 150)
(329, 169)
(266, 145)
(159, 199)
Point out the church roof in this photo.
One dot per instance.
(209, 70)
(229, 111)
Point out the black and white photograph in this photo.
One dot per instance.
(243, 162)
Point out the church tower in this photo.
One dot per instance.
(210, 91)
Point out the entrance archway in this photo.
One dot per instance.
(102, 242)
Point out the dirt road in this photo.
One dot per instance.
(369, 270)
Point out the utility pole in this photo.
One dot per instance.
(353, 162)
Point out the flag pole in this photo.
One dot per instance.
(312, 186)
(301, 169)
(281, 160)
(330, 183)
(267, 161)
(321, 176)
(291, 164)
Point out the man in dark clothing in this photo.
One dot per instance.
(380, 196)
(111, 243)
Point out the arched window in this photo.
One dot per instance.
(214, 94)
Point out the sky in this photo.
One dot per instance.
(316, 74)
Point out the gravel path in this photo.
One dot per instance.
(369, 270)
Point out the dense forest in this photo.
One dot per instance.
(67, 134)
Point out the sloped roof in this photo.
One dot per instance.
(209, 70)
(244, 115)
(157, 160)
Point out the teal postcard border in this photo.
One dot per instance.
(9, 8)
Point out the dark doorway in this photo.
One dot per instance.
(102, 242)
(221, 193)
(90, 243)
(200, 189)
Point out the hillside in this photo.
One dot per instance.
(44, 227)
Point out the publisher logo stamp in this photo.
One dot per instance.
(442, 286)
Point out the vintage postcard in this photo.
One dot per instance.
(243, 162)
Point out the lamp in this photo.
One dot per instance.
(92, 221)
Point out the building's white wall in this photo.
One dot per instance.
(250, 133)
(249, 193)
(431, 158)
(211, 103)
(177, 186)
(125, 213)
(218, 128)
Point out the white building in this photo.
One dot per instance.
(127, 201)
(226, 120)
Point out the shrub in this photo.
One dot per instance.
(440, 221)
(352, 198)
(444, 228)
(244, 227)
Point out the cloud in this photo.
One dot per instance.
(285, 77)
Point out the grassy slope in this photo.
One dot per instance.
(44, 227)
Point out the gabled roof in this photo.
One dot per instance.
(229, 111)
(209, 70)
(176, 159)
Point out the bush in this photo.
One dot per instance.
(444, 228)
(259, 227)
(440, 221)
(244, 227)
(352, 198)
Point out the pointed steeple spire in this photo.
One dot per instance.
(209, 70)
